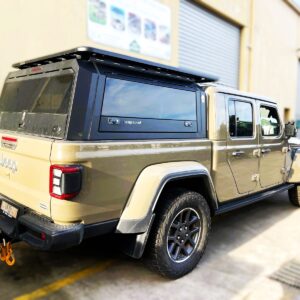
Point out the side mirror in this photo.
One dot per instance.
(290, 130)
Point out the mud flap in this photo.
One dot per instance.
(134, 245)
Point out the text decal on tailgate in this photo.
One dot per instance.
(8, 163)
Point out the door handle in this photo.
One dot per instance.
(264, 151)
(238, 153)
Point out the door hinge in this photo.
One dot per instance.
(285, 149)
(255, 177)
(284, 171)
(256, 152)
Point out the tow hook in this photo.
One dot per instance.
(6, 253)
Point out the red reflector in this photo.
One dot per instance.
(36, 69)
(43, 236)
(9, 139)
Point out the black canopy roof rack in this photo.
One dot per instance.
(120, 61)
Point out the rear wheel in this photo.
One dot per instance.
(294, 195)
(179, 234)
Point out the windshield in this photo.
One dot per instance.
(37, 105)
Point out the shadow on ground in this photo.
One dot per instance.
(217, 271)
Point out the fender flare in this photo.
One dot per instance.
(138, 212)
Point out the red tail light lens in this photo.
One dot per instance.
(65, 181)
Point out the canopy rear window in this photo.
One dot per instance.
(37, 105)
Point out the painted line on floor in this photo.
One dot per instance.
(61, 283)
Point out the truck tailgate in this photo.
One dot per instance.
(24, 170)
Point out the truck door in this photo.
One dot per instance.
(242, 143)
(273, 145)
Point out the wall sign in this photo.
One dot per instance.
(139, 26)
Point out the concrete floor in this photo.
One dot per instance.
(245, 248)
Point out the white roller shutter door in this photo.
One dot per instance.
(208, 43)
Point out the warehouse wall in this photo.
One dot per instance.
(298, 98)
(32, 28)
(270, 36)
(209, 43)
(276, 38)
(235, 10)
(238, 12)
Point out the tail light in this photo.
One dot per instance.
(65, 181)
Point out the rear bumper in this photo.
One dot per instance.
(40, 232)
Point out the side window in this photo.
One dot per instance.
(269, 121)
(232, 118)
(131, 99)
(130, 106)
(240, 118)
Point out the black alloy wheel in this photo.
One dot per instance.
(179, 233)
(184, 234)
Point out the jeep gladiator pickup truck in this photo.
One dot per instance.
(93, 142)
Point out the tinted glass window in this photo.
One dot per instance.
(232, 122)
(240, 119)
(139, 100)
(269, 121)
(43, 95)
(37, 105)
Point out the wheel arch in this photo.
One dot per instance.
(200, 183)
(138, 213)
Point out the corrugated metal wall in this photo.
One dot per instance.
(208, 43)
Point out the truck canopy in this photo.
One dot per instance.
(54, 96)
(37, 104)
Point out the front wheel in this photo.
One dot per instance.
(294, 195)
(179, 234)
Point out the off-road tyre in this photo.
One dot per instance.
(294, 195)
(172, 204)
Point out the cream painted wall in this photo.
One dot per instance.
(235, 10)
(276, 38)
(33, 28)
(270, 36)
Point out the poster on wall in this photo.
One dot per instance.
(138, 26)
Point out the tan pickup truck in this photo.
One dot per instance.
(93, 142)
